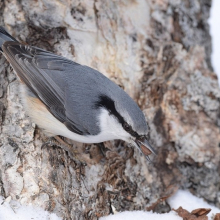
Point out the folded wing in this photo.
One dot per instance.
(43, 73)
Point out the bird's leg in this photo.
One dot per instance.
(102, 148)
(56, 140)
(67, 147)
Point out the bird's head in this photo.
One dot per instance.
(121, 118)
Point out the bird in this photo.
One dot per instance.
(65, 98)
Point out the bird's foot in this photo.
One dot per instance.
(102, 148)
(57, 141)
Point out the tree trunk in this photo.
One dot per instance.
(159, 52)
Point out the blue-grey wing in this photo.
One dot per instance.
(45, 75)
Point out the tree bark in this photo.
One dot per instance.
(159, 52)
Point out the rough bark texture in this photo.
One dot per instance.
(159, 52)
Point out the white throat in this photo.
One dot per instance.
(110, 127)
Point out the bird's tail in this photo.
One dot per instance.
(5, 36)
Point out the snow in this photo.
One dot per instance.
(190, 202)
(215, 33)
(182, 198)
(10, 209)
(13, 210)
(141, 215)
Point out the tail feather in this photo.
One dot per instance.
(5, 36)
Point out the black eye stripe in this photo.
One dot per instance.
(108, 104)
(126, 126)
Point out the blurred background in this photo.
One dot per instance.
(214, 22)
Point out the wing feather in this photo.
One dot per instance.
(32, 65)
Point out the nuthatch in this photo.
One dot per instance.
(75, 101)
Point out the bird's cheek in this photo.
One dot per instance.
(110, 126)
(122, 134)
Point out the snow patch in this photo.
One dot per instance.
(141, 215)
(14, 210)
(182, 198)
(190, 202)
(215, 33)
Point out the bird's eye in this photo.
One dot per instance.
(126, 126)
(142, 138)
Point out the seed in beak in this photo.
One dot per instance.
(145, 150)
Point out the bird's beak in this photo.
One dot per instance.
(145, 147)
